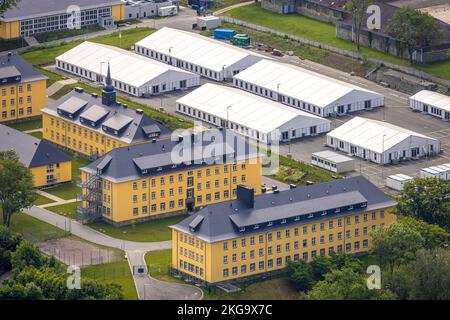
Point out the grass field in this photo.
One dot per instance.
(67, 210)
(61, 34)
(42, 200)
(27, 125)
(47, 55)
(149, 231)
(52, 77)
(61, 92)
(37, 134)
(159, 263)
(33, 229)
(115, 272)
(65, 191)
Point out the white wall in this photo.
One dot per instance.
(429, 109)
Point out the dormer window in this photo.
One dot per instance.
(159, 169)
(270, 224)
(283, 221)
(144, 171)
(337, 210)
(310, 216)
(363, 205)
(256, 226)
(297, 218)
(350, 208)
(324, 213)
(242, 229)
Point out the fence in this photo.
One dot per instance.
(347, 53)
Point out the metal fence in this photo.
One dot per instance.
(347, 53)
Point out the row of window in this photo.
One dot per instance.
(154, 208)
(12, 90)
(12, 102)
(20, 112)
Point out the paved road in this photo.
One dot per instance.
(149, 288)
(92, 235)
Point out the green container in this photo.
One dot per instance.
(241, 40)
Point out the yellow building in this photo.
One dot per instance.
(148, 180)
(31, 17)
(48, 165)
(22, 89)
(93, 126)
(256, 235)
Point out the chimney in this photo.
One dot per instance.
(246, 195)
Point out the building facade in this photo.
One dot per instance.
(144, 182)
(93, 126)
(253, 236)
(32, 17)
(48, 165)
(432, 103)
(22, 89)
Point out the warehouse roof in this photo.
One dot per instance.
(368, 134)
(225, 220)
(13, 65)
(245, 109)
(27, 9)
(116, 117)
(128, 67)
(162, 157)
(299, 83)
(432, 98)
(332, 156)
(197, 49)
(32, 152)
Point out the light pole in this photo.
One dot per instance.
(170, 55)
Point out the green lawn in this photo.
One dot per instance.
(67, 210)
(159, 264)
(65, 191)
(61, 34)
(61, 92)
(149, 231)
(42, 200)
(115, 272)
(37, 134)
(27, 125)
(47, 55)
(33, 229)
(52, 77)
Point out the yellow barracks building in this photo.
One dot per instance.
(147, 181)
(93, 126)
(22, 89)
(255, 235)
(31, 17)
(48, 165)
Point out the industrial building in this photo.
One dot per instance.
(305, 90)
(132, 73)
(441, 172)
(332, 161)
(432, 103)
(249, 115)
(146, 181)
(381, 142)
(195, 53)
(48, 165)
(397, 181)
(31, 17)
(93, 126)
(255, 235)
(140, 9)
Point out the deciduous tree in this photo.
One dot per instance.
(358, 10)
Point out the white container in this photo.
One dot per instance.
(167, 11)
(208, 22)
(397, 181)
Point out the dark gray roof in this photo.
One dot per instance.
(116, 117)
(34, 8)
(14, 65)
(128, 163)
(94, 113)
(32, 152)
(223, 220)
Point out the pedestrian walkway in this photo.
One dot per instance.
(58, 85)
(237, 5)
(54, 204)
(50, 196)
(32, 42)
(33, 131)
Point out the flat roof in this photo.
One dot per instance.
(27, 9)
(32, 152)
(332, 156)
(301, 84)
(126, 67)
(368, 134)
(246, 109)
(14, 65)
(195, 48)
(401, 177)
(432, 98)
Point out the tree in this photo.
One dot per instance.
(16, 186)
(358, 10)
(396, 244)
(433, 235)
(413, 28)
(345, 284)
(427, 199)
(301, 275)
(5, 5)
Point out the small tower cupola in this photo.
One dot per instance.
(108, 92)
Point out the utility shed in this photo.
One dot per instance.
(305, 90)
(208, 22)
(381, 142)
(193, 52)
(250, 115)
(332, 161)
(397, 181)
(131, 73)
(432, 103)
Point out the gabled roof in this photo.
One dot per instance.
(368, 134)
(127, 67)
(117, 117)
(299, 83)
(197, 49)
(222, 221)
(14, 65)
(32, 152)
(432, 98)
